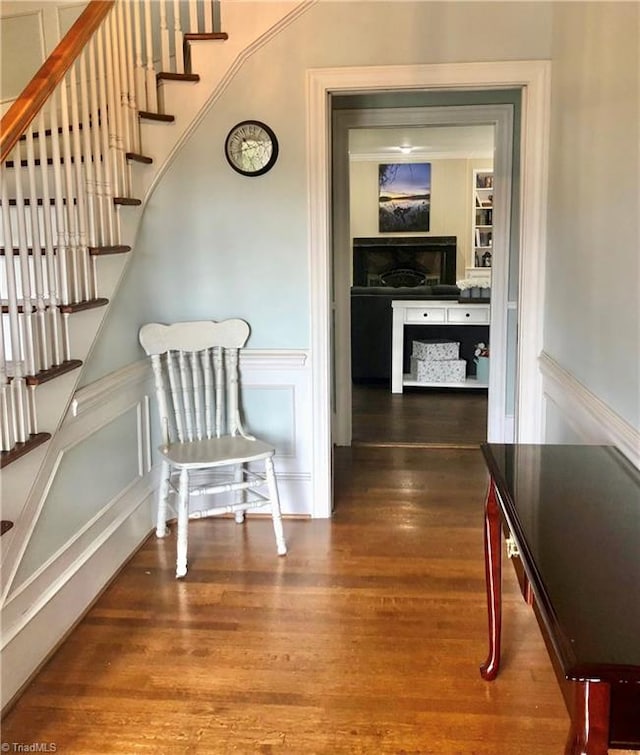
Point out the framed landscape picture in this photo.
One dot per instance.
(404, 197)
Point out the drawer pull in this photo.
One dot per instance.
(468, 314)
(425, 314)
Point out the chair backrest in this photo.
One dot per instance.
(195, 367)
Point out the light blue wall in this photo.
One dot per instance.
(592, 309)
(214, 244)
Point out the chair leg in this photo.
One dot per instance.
(183, 524)
(276, 514)
(163, 494)
(242, 494)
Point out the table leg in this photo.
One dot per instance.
(493, 571)
(589, 733)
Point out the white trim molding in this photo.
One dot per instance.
(533, 78)
(587, 415)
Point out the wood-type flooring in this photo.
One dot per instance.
(365, 638)
(429, 417)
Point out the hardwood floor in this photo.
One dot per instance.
(365, 638)
(428, 416)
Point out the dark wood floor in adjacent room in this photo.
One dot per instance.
(425, 416)
(365, 638)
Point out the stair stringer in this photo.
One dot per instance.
(27, 480)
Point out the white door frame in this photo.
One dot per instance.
(533, 77)
(499, 428)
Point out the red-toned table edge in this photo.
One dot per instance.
(590, 708)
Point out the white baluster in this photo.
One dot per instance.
(209, 20)
(62, 232)
(113, 109)
(82, 254)
(124, 124)
(165, 54)
(107, 156)
(52, 269)
(18, 429)
(41, 350)
(152, 89)
(177, 37)
(69, 194)
(139, 76)
(133, 144)
(26, 320)
(101, 232)
(193, 16)
(89, 168)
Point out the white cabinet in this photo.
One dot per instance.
(408, 312)
(482, 231)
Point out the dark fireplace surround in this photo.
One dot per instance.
(388, 268)
(400, 261)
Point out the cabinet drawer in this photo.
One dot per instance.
(425, 314)
(473, 315)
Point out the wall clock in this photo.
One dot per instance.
(251, 148)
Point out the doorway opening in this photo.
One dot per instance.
(455, 142)
(419, 261)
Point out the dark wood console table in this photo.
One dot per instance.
(572, 514)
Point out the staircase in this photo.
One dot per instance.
(81, 151)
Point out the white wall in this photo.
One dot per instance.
(592, 309)
(29, 31)
(214, 243)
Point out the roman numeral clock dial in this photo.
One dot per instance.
(251, 148)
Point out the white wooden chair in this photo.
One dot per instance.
(195, 367)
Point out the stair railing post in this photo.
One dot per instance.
(17, 419)
(107, 156)
(82, 254)
(69, 193)
(53, 312)
(178, 37)
(62, 241)
(41, 348)
(165, 54)
(133, 144)
(151, 88)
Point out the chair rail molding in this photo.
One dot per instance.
(585, 413)
(533, 77)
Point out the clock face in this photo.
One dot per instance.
(251, 148)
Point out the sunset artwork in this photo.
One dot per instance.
(404, 199)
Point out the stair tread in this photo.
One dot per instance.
(130, 201)
(139, 158)
(93, 250)
(80, 306)
(191, 37)
(20, 449)
(168, 76)
(163, 117)
(98, 251)
(5, 525)
(43, 376)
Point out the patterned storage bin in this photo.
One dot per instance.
(437, 349)
(438, 370)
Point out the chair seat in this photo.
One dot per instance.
(214, 452)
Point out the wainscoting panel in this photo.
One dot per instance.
(575, 415)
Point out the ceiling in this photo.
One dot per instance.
(444, 142)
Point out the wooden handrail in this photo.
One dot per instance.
(17, 119)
